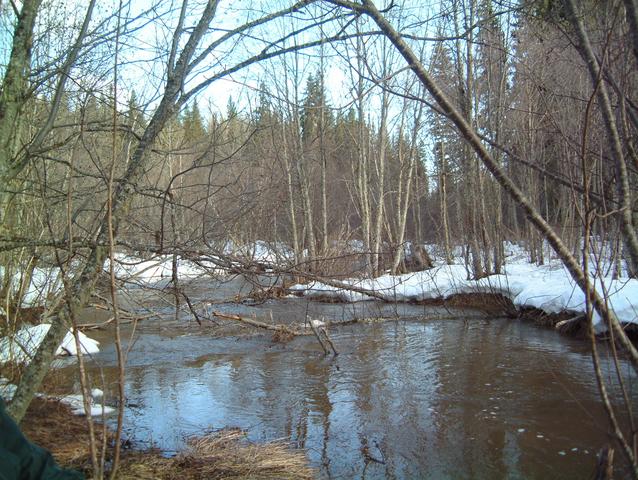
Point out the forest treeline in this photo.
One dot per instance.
(385, 169)
(388, 158)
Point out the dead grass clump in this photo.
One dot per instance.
(282, 335)
(148, 466)
(225, 454)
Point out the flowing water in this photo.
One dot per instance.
(415, 398)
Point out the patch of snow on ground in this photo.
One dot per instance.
(45, 282)
(7, 389)
(76, 402)
(135, 270)
(21, 347)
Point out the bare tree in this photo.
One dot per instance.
(367, 7)
(190, 48)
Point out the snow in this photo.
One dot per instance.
(549, 288)
(45, 282)
(21, 347)
(76, 402)
(97, 393)
(134, 270)
(137, 270)
(7, 389)
(261, 251)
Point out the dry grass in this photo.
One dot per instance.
(52, 425)
(224, 454)
(283, 335)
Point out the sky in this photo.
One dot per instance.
(146, 69)
(148, 34)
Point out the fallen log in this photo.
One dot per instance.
(329, 340)
(256, 323)
(318, 329)
(313, 326)
(570, 324)
(127, 319)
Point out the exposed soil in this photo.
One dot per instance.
(490, 303)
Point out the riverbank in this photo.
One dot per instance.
(221, 454)
(547, 288)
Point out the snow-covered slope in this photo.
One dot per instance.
(546, 287)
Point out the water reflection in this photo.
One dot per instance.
(440, 399)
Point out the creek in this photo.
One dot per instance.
(417, 396)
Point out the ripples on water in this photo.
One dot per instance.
(405, 399)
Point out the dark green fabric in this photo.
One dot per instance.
(22, 460)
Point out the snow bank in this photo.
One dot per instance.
(21, 347)
(547, 287)
(261, 251)
(45, 282)
(133, 269)
(137, 270)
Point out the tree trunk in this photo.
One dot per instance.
(622, 175)
(443, 202)
(362, 176)
(380, 170)
(15, 89)
(322, 152)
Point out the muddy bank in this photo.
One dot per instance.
(566, 322)
(51, 425)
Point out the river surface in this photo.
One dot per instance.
(406, 398)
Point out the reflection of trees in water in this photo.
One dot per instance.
(417, 396)
(319, 370)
